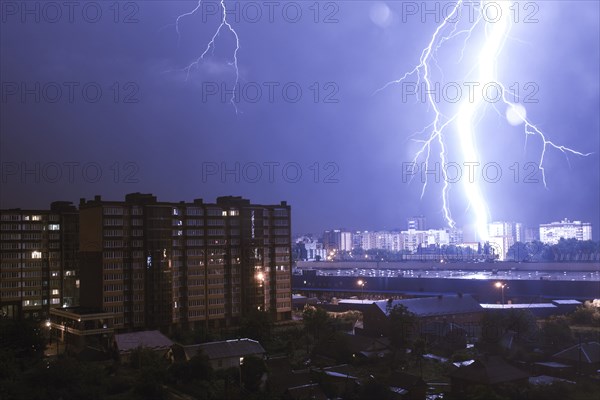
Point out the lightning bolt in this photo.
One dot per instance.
(211, 44)
(463, 121)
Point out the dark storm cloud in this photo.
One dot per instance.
(158, 129)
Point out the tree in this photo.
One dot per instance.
(23, 337)
(316, 320)
(256, 325)
(518, 252)
(556, 331)
(252, 370)
(197, 368)
(587, 314)
(401, 325)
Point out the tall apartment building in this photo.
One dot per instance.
(502, 235)
(413, 239)
(190, 264)
(337, 240)
(309, 249)
(39, 260)
(417, 223)
(552, 232)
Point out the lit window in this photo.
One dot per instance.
(36, 217)
(54, 227)
(55, 292)
(224, 213)
(36, 254)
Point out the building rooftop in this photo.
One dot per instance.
(489, 371)
(569, 302)
(518, 306)
(225, 349)
(432, 306)
(153, 340)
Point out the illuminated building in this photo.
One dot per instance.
(502, 235)
(161, 264)
(552, 232)
(39, 260)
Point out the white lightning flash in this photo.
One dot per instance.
(464, 120)
(211, 44)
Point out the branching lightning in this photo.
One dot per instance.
(463, 121)
(211, 44)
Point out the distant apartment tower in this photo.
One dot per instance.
(190, 264)
(552, 232)
(531, 235)
(337, 240)
(39, 260)
(417, 223)
(413, 239)
(310, 249)
(502, 235)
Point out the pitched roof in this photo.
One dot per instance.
(153, 340)
(590, 353)
(225, 349)
(434, 306)
(404, 380)
(310, 391)
(489, 371)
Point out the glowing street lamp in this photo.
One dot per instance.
(501, 286)
(362, 284)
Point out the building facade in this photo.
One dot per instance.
(551, 233)
(502, 235)
(39, 265)
(190, 264)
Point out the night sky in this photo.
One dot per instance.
(158, 130)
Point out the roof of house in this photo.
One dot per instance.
(518, 306)
(489, 371)
(434, 306)
(404, 380)
(153, 340)
(309, 391)
(566, 302)
(590, 353)
(225, 349)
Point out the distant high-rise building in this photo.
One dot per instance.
(159, 264)
(417, 223)
(39, 265)
(531, 235)
(337, 240)
(346, 241)
(310, 249)
(502, 235)
(413, 239)
(552, 232)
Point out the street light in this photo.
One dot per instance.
(501, 286)
(362, 284)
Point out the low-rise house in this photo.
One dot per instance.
(407, 386)
(489, 371)
(458, 309)
(222, 355)
(126, 343)
(311, 391)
